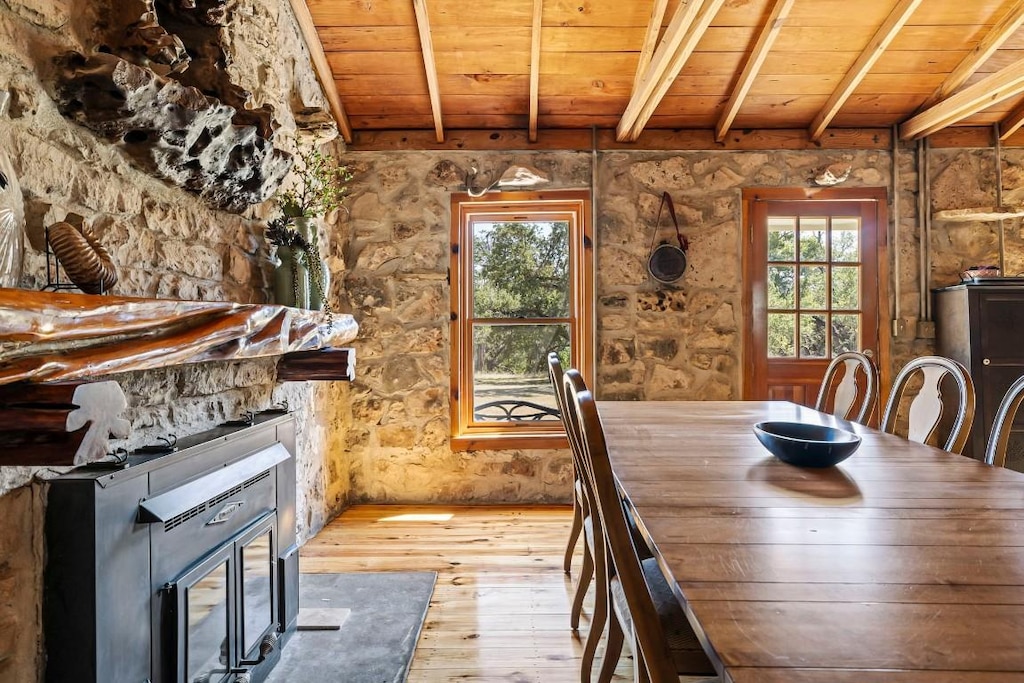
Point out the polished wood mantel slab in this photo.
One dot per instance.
(51, 336)
(904, 563)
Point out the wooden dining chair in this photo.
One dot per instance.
(648, 616)
(1002, 425)
(926, 408)
(580, 508)
(844, 395)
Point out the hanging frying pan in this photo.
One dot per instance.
(667, 262)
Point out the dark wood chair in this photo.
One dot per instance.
(555, 373)
(998, 439)
(647, 613)
(926, 408)
(843, 394)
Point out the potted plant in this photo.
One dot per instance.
(320, 186)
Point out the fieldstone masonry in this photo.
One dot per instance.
(166, 243)
(653, 341)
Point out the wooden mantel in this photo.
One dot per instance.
(58, 336)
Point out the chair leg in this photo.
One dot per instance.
(597, 625)
(586, 574)
(612, 651)
(574, 533)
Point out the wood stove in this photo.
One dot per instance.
(175, 567)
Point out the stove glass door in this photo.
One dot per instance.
(258, 550)
(204, 598)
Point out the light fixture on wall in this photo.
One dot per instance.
(833, 174)
(514, 177)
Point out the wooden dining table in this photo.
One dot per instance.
(902, 564)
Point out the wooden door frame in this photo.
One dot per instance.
(879, 195)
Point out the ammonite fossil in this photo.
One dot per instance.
(85, 261)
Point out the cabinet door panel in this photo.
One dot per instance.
(1002, 327)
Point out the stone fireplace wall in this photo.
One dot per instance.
(653, 341)
(166, 243)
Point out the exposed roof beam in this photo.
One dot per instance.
(1003, 29)
(1013, 121)
(683, 53)
(769, 32)
(427, 47)
(538, 13)
(878, 44)
(651, 40)
(992, 89)
(323, 70)
(682, 20)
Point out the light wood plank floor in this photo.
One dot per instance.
(500, 610)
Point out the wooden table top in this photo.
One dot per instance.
(903, 564)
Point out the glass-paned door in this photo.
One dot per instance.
(814, 274)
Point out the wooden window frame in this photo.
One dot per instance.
(466, 434)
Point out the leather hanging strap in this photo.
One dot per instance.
(666, 198)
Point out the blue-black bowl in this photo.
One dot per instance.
(806, 445)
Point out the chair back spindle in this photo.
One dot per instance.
(926, 408)
(849, 401)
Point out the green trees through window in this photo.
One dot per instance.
(813, 286)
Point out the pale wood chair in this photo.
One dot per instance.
(998, 439)
(926, 408)
(842, 394)
(581, 524)
(648, 616)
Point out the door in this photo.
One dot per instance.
(813, 268)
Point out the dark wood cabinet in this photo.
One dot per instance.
(982, 326)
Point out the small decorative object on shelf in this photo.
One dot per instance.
(85, 261)
(319, 188)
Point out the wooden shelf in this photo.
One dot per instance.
(59, 336)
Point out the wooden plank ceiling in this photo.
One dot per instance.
(636, 65)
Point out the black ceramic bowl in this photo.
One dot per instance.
(806, 445)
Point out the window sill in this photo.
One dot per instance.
(502, 442)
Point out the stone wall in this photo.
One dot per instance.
(653, 341)
(166, 243)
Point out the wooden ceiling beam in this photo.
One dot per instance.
(662, 72)
(1001, 31)
(429, 66)
(679, 60)
(878, 44)
(538, 14)
(1012, 123)
(682, 19)
(322, 68)
(650, 40)
(994, 88)
(765, 40)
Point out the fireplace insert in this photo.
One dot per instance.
(178, 565)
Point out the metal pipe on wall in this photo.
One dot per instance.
(922, 211)
(999, 198)
(896, 228)
(927, 275)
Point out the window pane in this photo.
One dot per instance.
(812, 287)
(845, 333)
(813, 232)
(510, 371)
(781, 335)
(846, 287)
(781, 239)
(521, 270)
(781, 293)
(812, 336)
(846, 239)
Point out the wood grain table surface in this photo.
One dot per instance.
(903, 564)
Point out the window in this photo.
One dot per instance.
(521, 287)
